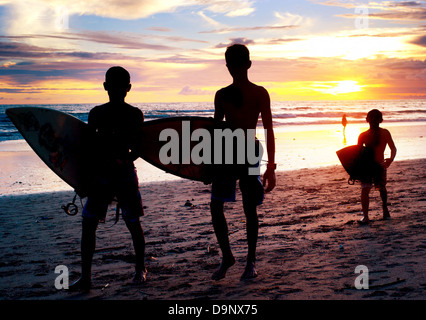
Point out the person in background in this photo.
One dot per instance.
(375, 141)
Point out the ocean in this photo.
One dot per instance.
(307, 135)
(287, 113)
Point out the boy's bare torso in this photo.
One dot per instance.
(241, 105)
(369, 139)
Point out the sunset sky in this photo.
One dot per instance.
(58, 51)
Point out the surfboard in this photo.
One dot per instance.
(63, 142)
(357, 162)
(150, 147)
(217, 159)
(59, 139)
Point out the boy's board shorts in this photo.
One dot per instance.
(224, 189)
(379, 180)
(125, 187)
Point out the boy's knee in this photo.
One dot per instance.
(90, 223)
(366, 189)
(216, 204)
(250, 210)
(383, 189)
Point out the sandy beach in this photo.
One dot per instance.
(309, 243)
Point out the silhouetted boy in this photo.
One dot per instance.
(113, 126)
(241, 103)
(375, 140)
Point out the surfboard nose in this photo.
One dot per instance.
(13, 113)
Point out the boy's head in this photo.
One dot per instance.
(374, 117)
(117, 82)
(237, 57)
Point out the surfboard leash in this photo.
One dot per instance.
(71, 208)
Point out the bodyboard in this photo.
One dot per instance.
(358, 162)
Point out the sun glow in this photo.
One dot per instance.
(338, 87)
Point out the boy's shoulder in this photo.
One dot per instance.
(232, 89)
(386, 133)
(97, 110)
(125, 107)
(124, 111)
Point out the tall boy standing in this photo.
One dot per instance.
(240, 104)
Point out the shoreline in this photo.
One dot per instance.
(309, 242)
(296, 148)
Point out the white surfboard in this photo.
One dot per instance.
(59, 139)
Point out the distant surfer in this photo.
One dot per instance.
(113, 126)
(375, 140)
(344, 123)
(240, 104)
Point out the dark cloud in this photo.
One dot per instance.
(392, 10)
(19, 91)
(120, 40)
(124, 41)
(235, 41)
(19, 50)
(421, 41)
(407, 65)
(404, 4)
(25, 76)
(400, 15)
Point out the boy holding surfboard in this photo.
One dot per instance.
(113, 126)
(240, 104)
(375, 140)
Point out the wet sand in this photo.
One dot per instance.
(309, 243)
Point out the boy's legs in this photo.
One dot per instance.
(130, 201)
(220, 227)
(253, 194)
(94, 211)
(88, 244)
(381, 183)
(138, 238)
(252, 228)
(365, 202)
(384, 196)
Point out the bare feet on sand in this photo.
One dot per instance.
(140, 277)
(82, 284)
(386, 214)
(249, 272)
(223, 268)
(364, 221)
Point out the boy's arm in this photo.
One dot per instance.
(135, 152)
(219, 114)
(361, 139)
(269, 175)
(392, 147)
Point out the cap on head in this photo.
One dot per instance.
(237, 55)
(374, 117)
